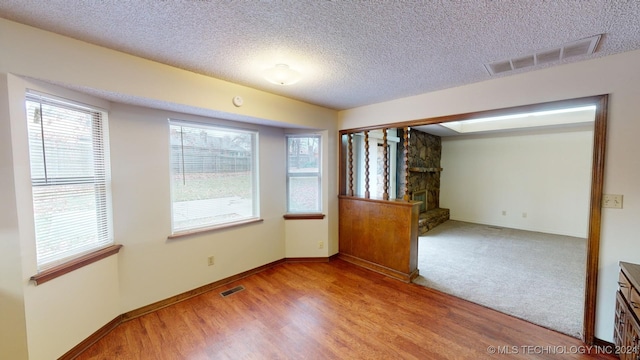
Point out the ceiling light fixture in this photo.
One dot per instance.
(281, 74)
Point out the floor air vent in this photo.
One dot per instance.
(232, 291)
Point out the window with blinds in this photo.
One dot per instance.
(213, 175)
(303, 174)
(69, 177)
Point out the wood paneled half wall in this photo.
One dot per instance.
(380, 235)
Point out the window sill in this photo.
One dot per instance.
(304, 216)
(213, 228)
(75, 264)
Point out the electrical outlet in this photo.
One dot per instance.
(612, 201)
(524, 214)
(210, 260)
(504, 213)
(320, 244)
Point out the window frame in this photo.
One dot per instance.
(177, 232)
(291, 214)
(105, 246)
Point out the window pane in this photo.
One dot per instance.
(304, 155)
(66, 221)
(69, 175)
(213, 181)
(303, 173)
(303, 194)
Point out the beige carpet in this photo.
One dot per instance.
(533, 276)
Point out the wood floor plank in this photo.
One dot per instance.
(332, 310)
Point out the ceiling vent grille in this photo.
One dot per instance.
(581, 47)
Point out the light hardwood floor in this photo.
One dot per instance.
(330, 310)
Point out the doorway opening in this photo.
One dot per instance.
(462, 121)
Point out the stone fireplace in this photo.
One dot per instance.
(424, 177)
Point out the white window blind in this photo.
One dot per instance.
(303, 174)
(69, 177)
(213, 175)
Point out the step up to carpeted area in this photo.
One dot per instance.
(432, 218)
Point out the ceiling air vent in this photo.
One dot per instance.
(547, 56)
(499, 67)
(523, 62)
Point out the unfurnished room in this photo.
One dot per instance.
(319, 179)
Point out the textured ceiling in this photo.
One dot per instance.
(350, 53)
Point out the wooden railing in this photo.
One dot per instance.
(404, 165)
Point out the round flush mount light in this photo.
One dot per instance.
(281, 74)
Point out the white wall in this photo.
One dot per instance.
(149, 267)
(545, 175)
(139, 139)
(306, 236)
(13, 332)
(616, 75)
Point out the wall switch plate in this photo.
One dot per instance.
(612, 201)
(210, 260)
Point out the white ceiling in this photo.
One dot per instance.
(350, 53)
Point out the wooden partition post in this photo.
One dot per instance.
(405, 165)
(385, 194)
(366, 165)
(350, 190)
